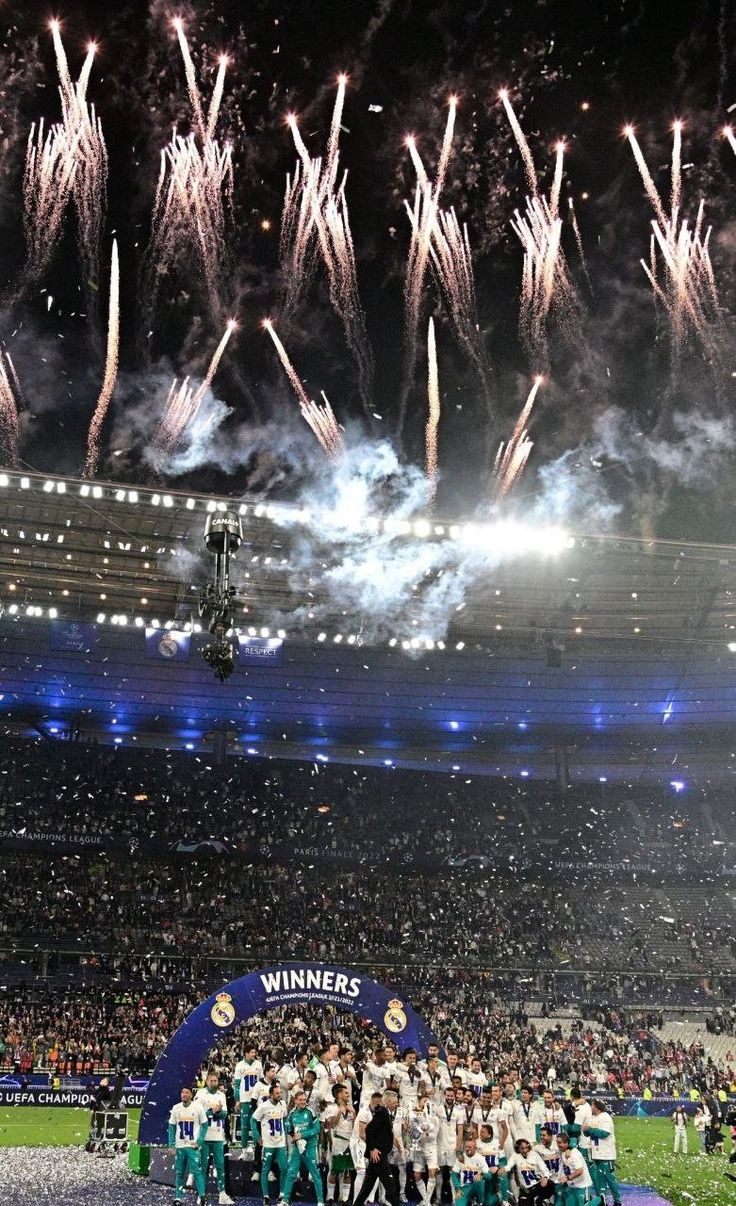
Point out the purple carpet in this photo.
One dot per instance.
(638, 1195)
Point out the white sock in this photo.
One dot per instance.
(421, 1188)
(344, 1188)
(359, 1179)
(430, 1188)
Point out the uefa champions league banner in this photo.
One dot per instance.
(39, 1095)
(236, 1003)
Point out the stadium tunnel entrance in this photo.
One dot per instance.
(285, 984)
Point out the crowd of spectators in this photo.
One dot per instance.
(467, 893)
(609, 1050)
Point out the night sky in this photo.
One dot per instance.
(620, 439)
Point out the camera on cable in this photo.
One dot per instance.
(223, 535)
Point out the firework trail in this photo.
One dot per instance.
(649, 185)
(83, 131)
(67, 161)
(546, 288)
(425, 213)
(686, 285)
(216, 102)
(315, 225)
(195, 98)
(526, 155)
(512, 457)
(193, 196)
(183, 403)
(729, 134)
(579, 243)
(8, 412)
(433, 397)
(320, 418)
(554, 200)
(676, 185)
(111, 368)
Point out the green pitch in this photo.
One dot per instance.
(35, 1126)
(645, 1152)
(645, 1158)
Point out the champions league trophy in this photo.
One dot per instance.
(416, 1137)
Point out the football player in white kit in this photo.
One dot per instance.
(374, 1077)
(187, 1128)
(547, 1148)
(575, 1176)
(267, 1128)
(548, 1112)
(339, 1120)
(248, 1072)
(449, 1137)
(357, 1140)
(497, 1185)
(469, 1175)
(212, 1098)
(529, 1168)
(424, 1126)
(583, 1115)
(409, 1079)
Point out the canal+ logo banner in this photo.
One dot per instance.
(228, 1011)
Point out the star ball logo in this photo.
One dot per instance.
(394, 1018)
(223, 1010)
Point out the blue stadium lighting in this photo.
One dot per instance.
(454, 724)
(388, 762)
(190, 745)
(602, 779)
(118, 741)
(525, 774)
(677, 785)
(522, 725)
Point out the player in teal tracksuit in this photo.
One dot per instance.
(470, 1176)
(303, 1127)
(188, 1124)
(603, 1151)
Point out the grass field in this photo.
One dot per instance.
(34, 1126)
(645, 1152)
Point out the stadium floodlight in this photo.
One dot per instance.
(25, 483)
(48, 487)
(4, 479)
(190, 504)
(732, 646)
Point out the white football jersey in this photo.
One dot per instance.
(188, 1121)
(211, 1101)
(574, 1161)
(249, 1075)
(270, 1117)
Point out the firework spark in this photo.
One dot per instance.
(316, 225)
(111, 368)
(546, 288)
(684, 284)
(579, 242)
(67, 161)
(8, 411)
(729, 134)
(433, 419)
(183, 403)
(320, 418)
(423, 217)
(526, 155)
(193, 197)
(512, 457)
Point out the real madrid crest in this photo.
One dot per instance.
(167, 646)
(223, 1010)
(394, 1019)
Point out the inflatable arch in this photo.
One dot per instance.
(287, 984)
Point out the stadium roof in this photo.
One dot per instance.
(609, 652)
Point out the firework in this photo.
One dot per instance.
(321, 418)
(729, 134)
(546, 287)
(433, 419)
(526, 155)
(193, 196)
(8, 411)
(111, 368)
(512, 457)
(423, 217)
(579, 242)
(316, 225)
(195, 98)
(685, 285)
(183, 402)
(67, 161)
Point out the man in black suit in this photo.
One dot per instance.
(379, 1142)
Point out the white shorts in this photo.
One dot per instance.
(447, 1157)
(427, 1157)
(357, 1151)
